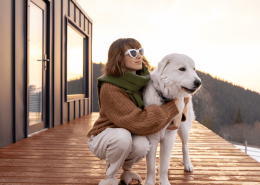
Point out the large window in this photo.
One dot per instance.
(75, 63)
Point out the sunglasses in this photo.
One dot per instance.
(133, 52)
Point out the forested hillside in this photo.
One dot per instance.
(225, 108)
(96, 73)
(229, 110)
(218, 103)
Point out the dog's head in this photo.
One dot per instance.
(175, 76)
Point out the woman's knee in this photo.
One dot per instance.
(141, 146)
(124, 139)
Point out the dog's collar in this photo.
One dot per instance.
(163, 98)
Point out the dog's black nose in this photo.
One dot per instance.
(197, 83)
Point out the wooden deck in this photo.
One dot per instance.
(60, 156)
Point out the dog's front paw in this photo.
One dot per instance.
(188, 166)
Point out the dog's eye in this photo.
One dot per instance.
(182, 69)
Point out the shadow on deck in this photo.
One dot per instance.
(60, 156)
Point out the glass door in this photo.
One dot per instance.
(37, 64)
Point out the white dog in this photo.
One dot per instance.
(175, 78)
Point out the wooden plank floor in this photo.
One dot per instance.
(60, 156)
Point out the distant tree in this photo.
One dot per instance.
(75, 86)
(208, 122)
(97, 72)
(221, 100)
(257, 126)
(241, 132)
(238, 119)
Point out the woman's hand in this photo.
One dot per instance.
(176, 122)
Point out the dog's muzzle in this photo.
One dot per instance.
(196, 85)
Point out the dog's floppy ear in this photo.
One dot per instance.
(164, 62)
(157, 75)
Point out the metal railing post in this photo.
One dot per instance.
(246, 147)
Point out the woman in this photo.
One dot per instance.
(119, 133)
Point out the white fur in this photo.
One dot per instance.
(169, 80)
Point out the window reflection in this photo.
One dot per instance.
(75, 62)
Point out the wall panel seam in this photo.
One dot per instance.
(61, 63)
(25, 70)
(84, 22)
(79, 107)
(79, 18)
(68, 111)
(75, 13)
(91, 87)
(69, 8)
(13, 72)
(74, 109)
(48, 73)
(53, 80)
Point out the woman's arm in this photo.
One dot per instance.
(120, 110)
(181, 117)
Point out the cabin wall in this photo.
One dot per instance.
(13, 66)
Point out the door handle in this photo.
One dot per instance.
(45, 63)
(44, 60)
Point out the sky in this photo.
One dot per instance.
(221, 36)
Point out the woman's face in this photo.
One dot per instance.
(133, 64)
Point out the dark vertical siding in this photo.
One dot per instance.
(6, 113)
(13, 71)
(89, 27)
(86, 25)
(72, 11)
(50, 72)
(65, 112)
(90, 69)
(71, 110)
(77, 16)
(86, 106)
(52, 63)
(61, 61)
(20, 60)
(57, 61)
(82, 19)
(68, 108)
(81, 108)
(13, 66)
(76, 109)
(65, 11)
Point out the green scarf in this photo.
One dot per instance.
(130, 83)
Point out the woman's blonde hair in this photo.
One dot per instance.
(115, 65)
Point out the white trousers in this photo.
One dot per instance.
(119, 148)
